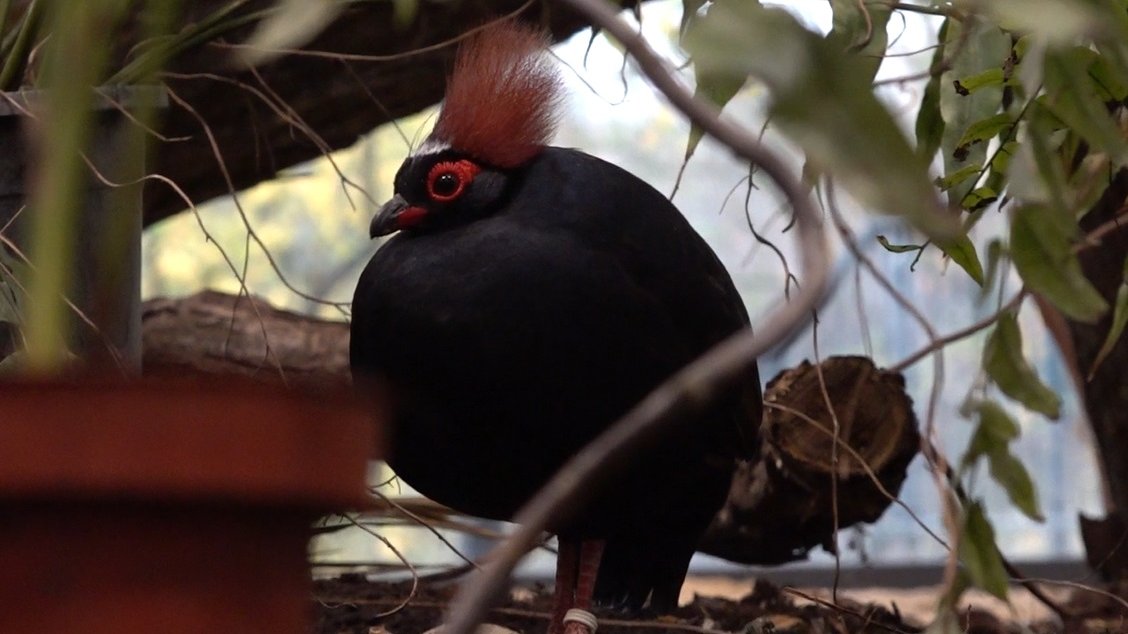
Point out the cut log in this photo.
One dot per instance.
(780, 505)
(783, 504)
(217, 333)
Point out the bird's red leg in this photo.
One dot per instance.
(580, 620)
(567, 561)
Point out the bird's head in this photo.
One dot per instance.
(498, 113)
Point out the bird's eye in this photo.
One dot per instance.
(445, 185)
(448, 179)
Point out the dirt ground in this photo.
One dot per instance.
(350, 604)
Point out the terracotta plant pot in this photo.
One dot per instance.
(169, 507)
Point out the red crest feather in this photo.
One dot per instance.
(501, 102)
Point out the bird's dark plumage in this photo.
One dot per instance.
(518, 319)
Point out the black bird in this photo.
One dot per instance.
(532, 296)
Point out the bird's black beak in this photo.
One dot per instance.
(396, 214)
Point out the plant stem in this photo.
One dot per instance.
(75, 61)
(5, 7)
(16, 60)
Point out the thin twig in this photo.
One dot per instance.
(239, 206)
(11, 221)
(936, 460)
(788, 276)
(1011, 570)
(863, 317)
(423, 522)
(125, 112)
(414, 573)
(925, 9)
(870, 473)
(102, 178)
(587, 84)
(326, 151)
(1094, 237)
(269, 354)
(942, 342)
(376, 102)
(867, 37)
(354, 57)
(287, 114)
(834, 606)
(115, 355)
(1081, 586)
(835, 439)
(930, 47)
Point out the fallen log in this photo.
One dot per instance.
(218, 333)
(781, 504)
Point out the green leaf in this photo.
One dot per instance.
(947, 605)
(995, 182)
(689, 14)
(929, 126)
(1010, 473)
(1005, 364)
(859, 28)
(1119, 320)
(1055, 21)
(1041, 248)
(994, 258)
(946, 622)
(992, 438)
(980, 555)
(981, 131)
(898, 248)
(9, 310)
(718, 88)
(979, 198)
(976, 46)
(9, 299)
(995, 431)
(1110, 82)
(1114, 75)
(404, 12)
(955, 178)
(1034, 173)
(1088, 182)
(989, 77)
(824, 102)
(962, 252)
(1001, 161)
(1075, 99)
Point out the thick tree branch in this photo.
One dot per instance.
(362, 71)
(1105, 399)
(215, 333)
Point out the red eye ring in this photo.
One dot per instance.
(441, 188)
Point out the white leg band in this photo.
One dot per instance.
(583, 617)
